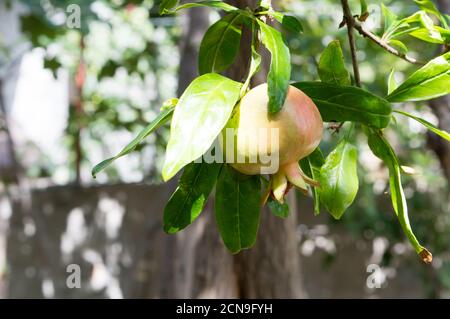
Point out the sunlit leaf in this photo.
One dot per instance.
(339, 179)
(428, 6)
(430, 81)
(392, 84)
(201, 113)
(399, 45)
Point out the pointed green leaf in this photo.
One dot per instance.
(290, 23)
(428, 6)
(166, 5)
(381, 148)
(427, 124)
(347, 103)
(188, 200)
(280, 66)
(220, 45)
(401, 47)
(332, 65)
(237, 208)
(161, 119)
(201, 113)
(278, 209)
(311, 165)
(339, 179)
(392, 84)
(430, 81)
(390, 19)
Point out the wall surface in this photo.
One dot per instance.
(114, 233)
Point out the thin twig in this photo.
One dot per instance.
(350, 21)
(374, 38)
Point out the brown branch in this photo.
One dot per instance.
(350, 21)
(374, 38)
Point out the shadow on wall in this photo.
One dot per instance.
(114, 234)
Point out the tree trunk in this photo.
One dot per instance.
(441, 108)
(271, 269)
(197, 263)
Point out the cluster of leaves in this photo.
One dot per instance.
(419, 25)
(206, 105)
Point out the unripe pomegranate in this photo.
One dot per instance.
(298, 131)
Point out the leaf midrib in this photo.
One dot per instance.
(407, 86)
(188, 196)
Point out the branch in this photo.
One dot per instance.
(350, 21)
(366, 33)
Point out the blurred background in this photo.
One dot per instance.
(79, 79)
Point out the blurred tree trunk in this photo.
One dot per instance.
(271, 269)
(441, 108)
(8, 162)
(196, 263)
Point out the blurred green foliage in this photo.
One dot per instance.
(127, 41)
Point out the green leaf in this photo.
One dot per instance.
(445, 34)
(161, 119)
(201, 113)
(166, 5)
(311, 166)
(347, 103)
(427, 124)
(237, 208)
(399, 45)
(426, 29)
(364, 12)
(339, 179)
(290, 23)
(392, 84)
(220, 45)
(212, 4)
(390, 19)
(430, 81)
(280, 66)
(188, 200)
(332, 65)
(278, 209)
(428, 6)
(381, 148)
(427, 35)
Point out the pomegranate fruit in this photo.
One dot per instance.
(298, 127)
